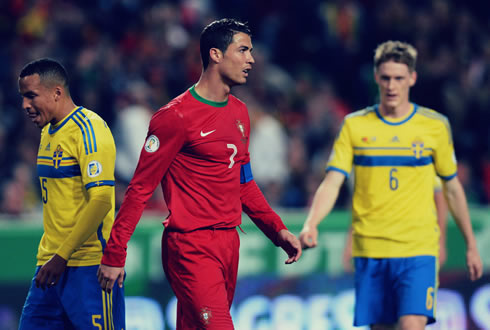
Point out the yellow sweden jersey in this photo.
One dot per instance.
(76, 155)
(393, 204)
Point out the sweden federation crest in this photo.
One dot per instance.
(57, 156)
(94, 168)
(417, 147)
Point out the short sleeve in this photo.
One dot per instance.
(97, 154)
(342, 154)
(444, 157)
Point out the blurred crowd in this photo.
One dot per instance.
(127, 58)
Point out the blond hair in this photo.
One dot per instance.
(396, 51)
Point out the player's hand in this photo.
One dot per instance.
(289, 243)
(442, 254)
(108, 275)
(347, 259)
(50, 272)
(308, 237)
(474, 264)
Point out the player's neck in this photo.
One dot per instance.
(395, 111)
(65, 108)
(212, 88)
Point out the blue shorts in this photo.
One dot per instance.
(389, 288)
(75, 302)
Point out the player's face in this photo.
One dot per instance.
(394, 81)
(237, 60)
(37, 100)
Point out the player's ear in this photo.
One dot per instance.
(58, 92)
(215, 55)
(413, 78)
(376, 76)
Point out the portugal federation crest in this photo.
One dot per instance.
(241, 128)
(205, 315)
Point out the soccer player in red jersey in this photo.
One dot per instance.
(197, 149)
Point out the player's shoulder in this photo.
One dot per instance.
(91, 121)
(364, 113)
(233, 100)
(172, 110)
(431, 114)
(91, 115)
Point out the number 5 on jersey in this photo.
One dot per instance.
(44, 192)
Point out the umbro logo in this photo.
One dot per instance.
(395, 139)
(207, 133)
(48, 147)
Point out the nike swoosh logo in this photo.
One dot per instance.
(207, 133)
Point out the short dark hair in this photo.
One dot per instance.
(219, 34)
(50, 72)
(397, 51)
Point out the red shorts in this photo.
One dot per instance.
(201, 267)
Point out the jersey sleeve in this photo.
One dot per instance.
(342, 154)
(444, 157)
(165, 138)
(97, 154)
(256, 207)
(253, 201)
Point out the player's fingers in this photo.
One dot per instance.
(102, 282)
(50, 280)
(40, 279)
(289, 260)
(478, 272)
(108, 285)
(473, 272)
(100, 277)
(120, 280)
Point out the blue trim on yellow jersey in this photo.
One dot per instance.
(388, 148)
(246, 173)
(51, 158)
(85, 133)
(99, 183)
(48, 171)
(54, 130)
(392, 161)
(333, 168)
(100, 236)
(93, 134)
(376, 109)
(447, 178)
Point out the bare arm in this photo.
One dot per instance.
(323, 202)
(458, 206)
(442, 213)
(347, 254)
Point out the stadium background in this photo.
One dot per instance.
(126, 58)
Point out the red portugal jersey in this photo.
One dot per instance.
(195, 148)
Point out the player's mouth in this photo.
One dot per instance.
(246, 71)
(33, 115)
